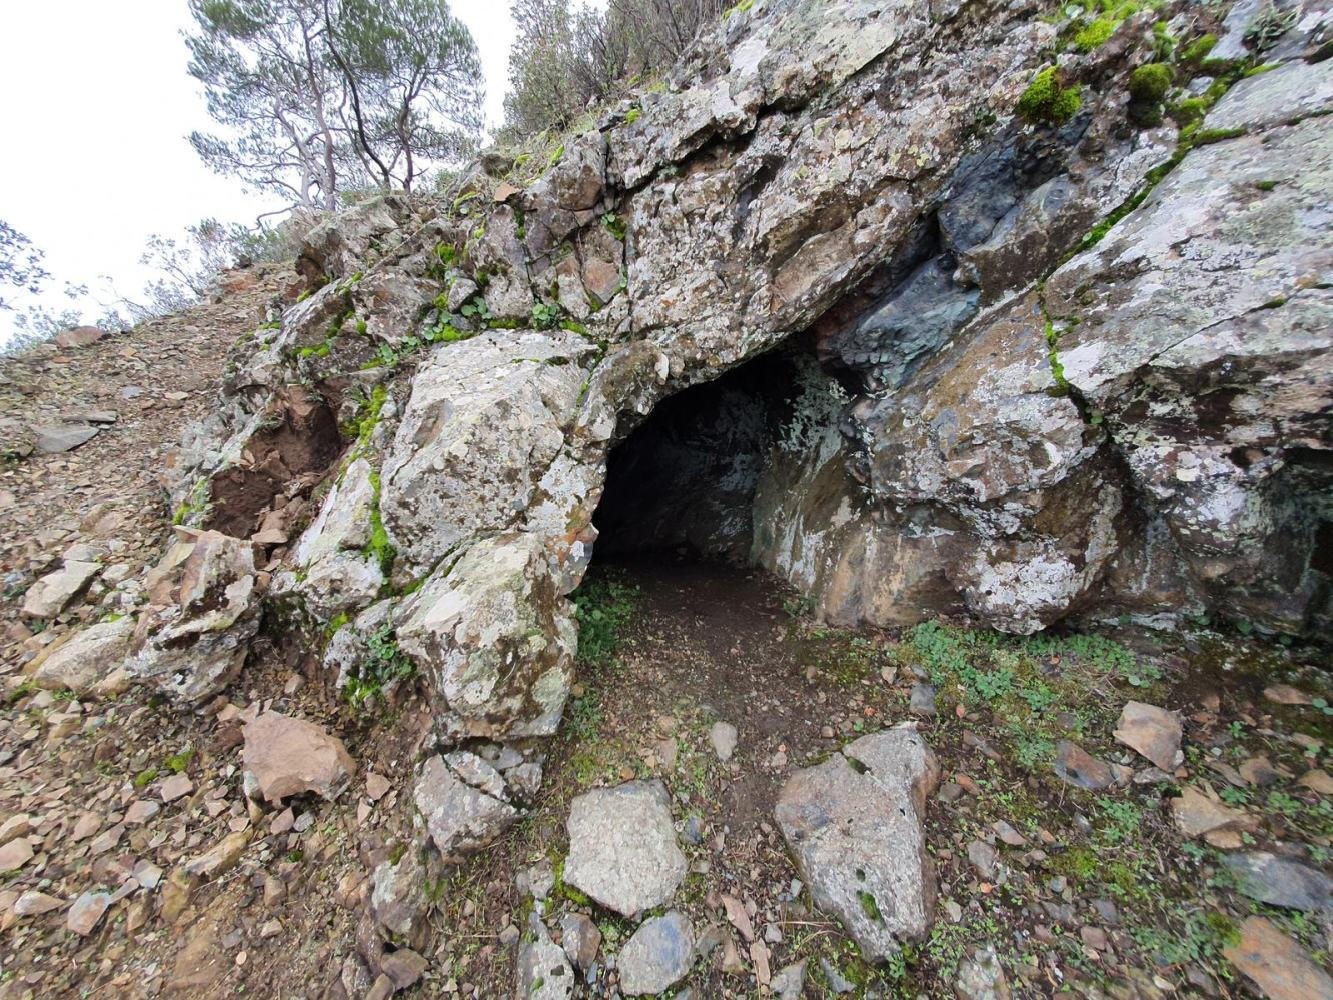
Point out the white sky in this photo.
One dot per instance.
(97, 105)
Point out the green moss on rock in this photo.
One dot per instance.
(1048, 100)
(1149, 83)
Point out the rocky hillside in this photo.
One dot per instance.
(963, 322)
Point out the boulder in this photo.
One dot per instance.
(51, 594)
(459, 817)
(51, 439)
(79, 336)
(85, 660)
(657, 956)
(854, 827)
(494, 640)
(623, 851)
(203, 608)
(285, 756)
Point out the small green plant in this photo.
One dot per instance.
(1095, 34)
(614, 225)
(145, 778)
(179, 763)
(1047, 100)
(1197, 51)
(545, 316)
(603, 608)
(633, 115)
(383, 665)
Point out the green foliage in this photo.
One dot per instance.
(379, 547)
(545, 316)
(383, 665)
(614, 225)
(178, 763)
(603, 607)
(1150, 82)
(632, 115)
(1197, 51)
(145, 778)
(374, 91)
(1046, 100)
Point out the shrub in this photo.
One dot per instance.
(1047, 100)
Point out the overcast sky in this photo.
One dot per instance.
(96, 109)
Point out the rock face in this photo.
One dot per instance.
(825, 303)
(622, 847)
(854, 827)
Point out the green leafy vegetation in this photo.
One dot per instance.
(603, 607)
(383, 665)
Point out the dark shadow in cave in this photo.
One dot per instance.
(684, 480)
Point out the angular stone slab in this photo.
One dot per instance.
(854, 827)
(460, 818)
(622, 847)
(658, 955)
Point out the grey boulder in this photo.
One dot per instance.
(622, 847)
(854, 827)
(657, 956)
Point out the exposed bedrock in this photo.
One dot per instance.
(825, 304)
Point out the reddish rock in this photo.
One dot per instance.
(289, 756)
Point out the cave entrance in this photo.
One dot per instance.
(684, 480)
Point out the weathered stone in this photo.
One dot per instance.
(203, 609)
(1197, 815)
(84, 660)
(723, 737)
(657, 955)
(622, 847)
(398, 895)
(86, 912)
(543, 972)
(15, 854)
(79, 336)
(220, 858)
(1277, 964)
(981, 977)
(495, 640)
(789, 982)
(854, 826)
(1280, 881)
(289, 756)
(581, 939)
(51, 439)
(460, 818)
(52, 593)
(1152, 731)
(1075, 766)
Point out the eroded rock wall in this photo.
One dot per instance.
(1035, 412)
